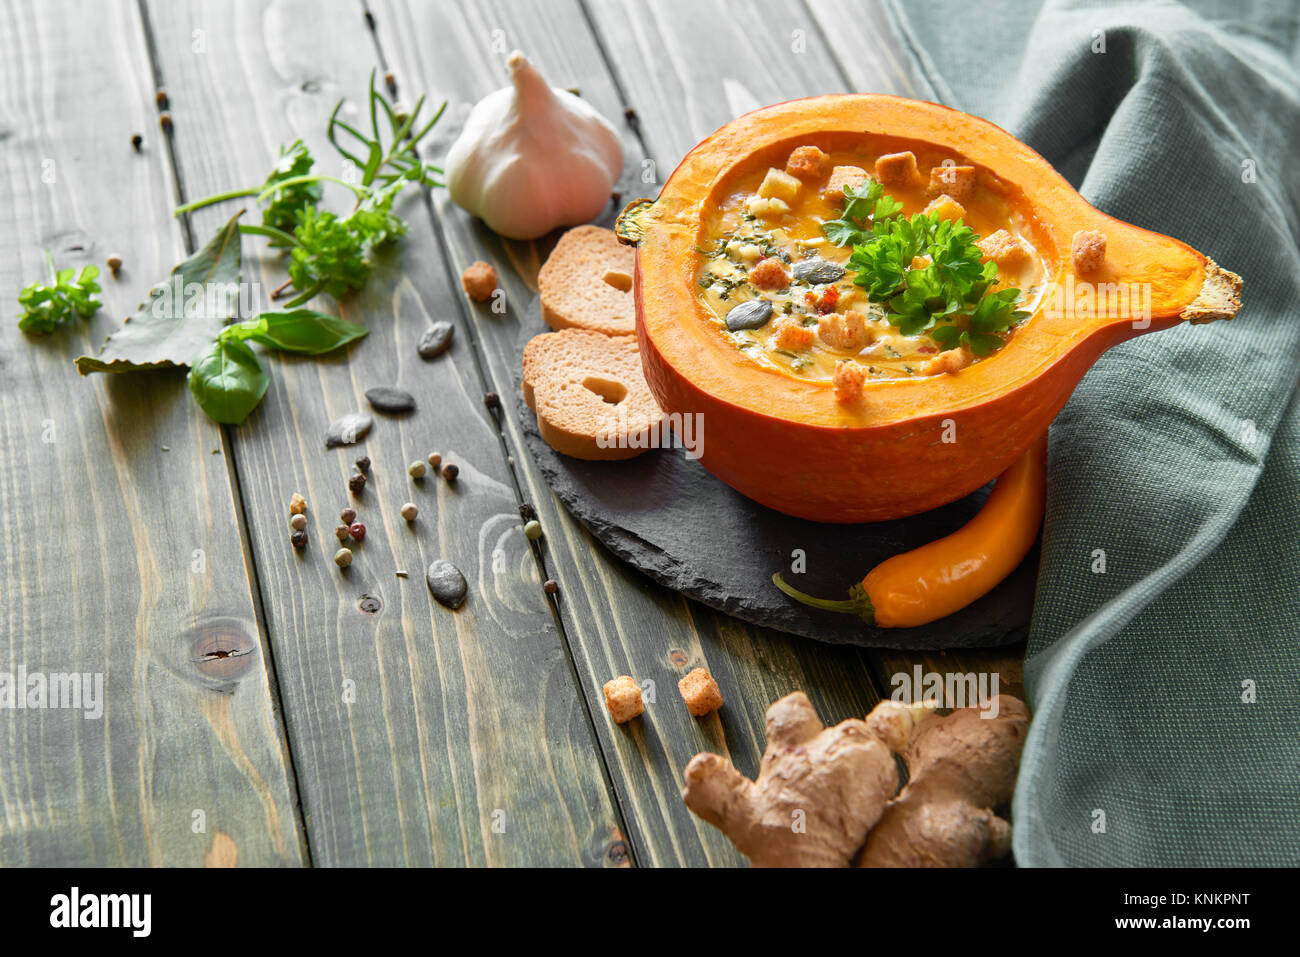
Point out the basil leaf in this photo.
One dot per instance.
(227, 381)
(297, 330)
(174, 324)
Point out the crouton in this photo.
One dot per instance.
(1004, 248)
(847, 381)
(957, 181)
(479, 280)
(766, 207)
(794, 335)
(770, 274)
(623, 699)
(1089, 248)
(945, 207)
(949, 361)
(778, 184)
(808, 162)
(700, 692)
(841, 177)
(897, 169)
(847, 330)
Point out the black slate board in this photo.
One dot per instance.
(671, 518)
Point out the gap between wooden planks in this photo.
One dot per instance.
(119, 551)
(419, 736)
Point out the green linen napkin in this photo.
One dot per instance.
(1166, 690)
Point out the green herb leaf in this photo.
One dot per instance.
(286, 205)
(297, 330)
(227, 381)
(182, 315)
(332, 256)
(44, 307)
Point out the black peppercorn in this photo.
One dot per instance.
(357, 483)
(298, 539)
(449, 472)
(491, 400)
(551, 587)
(137, 141)
(527, 512)
(363, 463)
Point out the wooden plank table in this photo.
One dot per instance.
(260, 707)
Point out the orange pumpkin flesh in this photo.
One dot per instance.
(785, 441)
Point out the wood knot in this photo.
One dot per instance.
(370, 604)
(616, 854)
(222, 649)
(678, 658)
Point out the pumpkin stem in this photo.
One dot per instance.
(858, 603)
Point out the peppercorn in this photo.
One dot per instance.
(165, 120)
(297, 504)
(363, 463)
(357, 483)
(357, 530)
(114, 264)
(435, 459)
(409, 511)
(298, 539)
(137, 141)
(533, 530)
(343, 557)
(348, 516)
(491, 400)
(551, 587)
(298, 522)
(341, 533)
(416, 470)
(527, 512)
(160, 97)
(449, 472)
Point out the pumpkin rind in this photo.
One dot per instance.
(909, 445)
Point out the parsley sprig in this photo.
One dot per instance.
(949, 297)
(44, 307)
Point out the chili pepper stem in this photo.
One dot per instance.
(858, 603)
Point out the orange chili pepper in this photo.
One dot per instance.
(937, 579)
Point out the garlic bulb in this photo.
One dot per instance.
(532, 157)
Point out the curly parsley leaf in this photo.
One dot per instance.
(44, 307)
(329, 257)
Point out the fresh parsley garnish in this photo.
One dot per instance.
(947, 296)
(44, 307)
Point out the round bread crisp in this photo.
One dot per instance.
(586, 283)
(591, 399)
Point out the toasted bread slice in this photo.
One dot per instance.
(586, 283)
(591, 400)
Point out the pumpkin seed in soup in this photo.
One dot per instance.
(749, 315)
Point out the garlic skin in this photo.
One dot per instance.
(532, 157)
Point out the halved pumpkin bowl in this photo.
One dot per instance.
(785, 441)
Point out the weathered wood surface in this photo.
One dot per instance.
(119, 535)
(412, 730)
(616, 620)
(462, 723)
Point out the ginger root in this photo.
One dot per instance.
(828, 797)
(959, 767)
(819, 790)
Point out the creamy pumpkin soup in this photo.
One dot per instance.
(848, 266)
